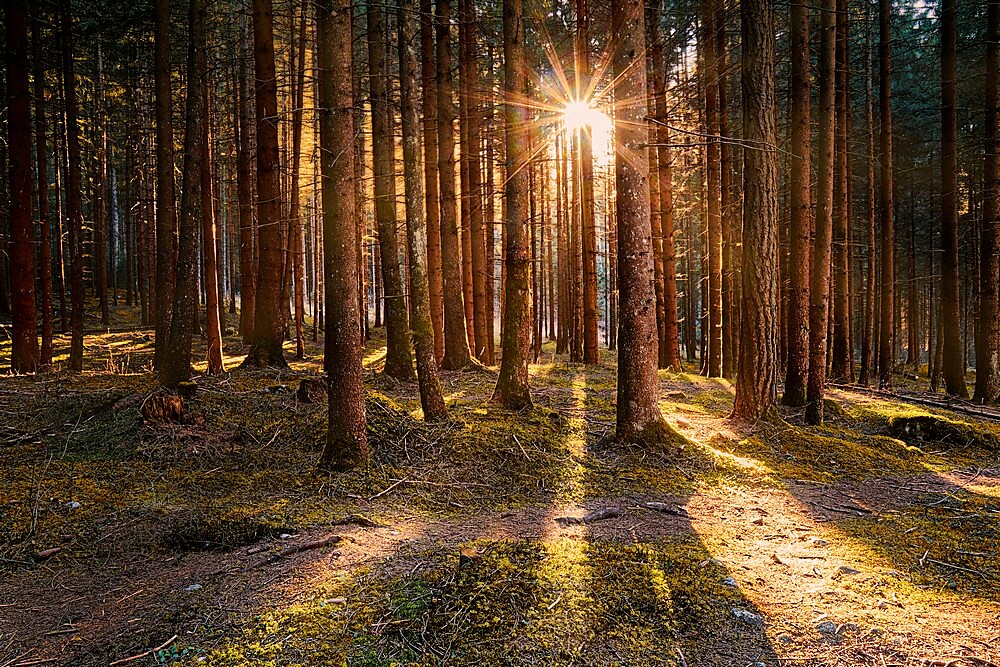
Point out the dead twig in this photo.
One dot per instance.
(151, 651)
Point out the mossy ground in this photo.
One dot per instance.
(460, 559)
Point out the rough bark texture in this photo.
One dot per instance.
(868, 333)
(431, 399)
(758, 361)
(244, 194)
(209, 241)
(988, 347)
(74, 194)
(398, 362)
(840, 362)
(819, 298)
(175, 366)
(456, 342)
(347, 439)
(24, 339)
(41, 160)
(887, 329)
(429, 92)
(268, 329)
(707, 42)
(954, 363)
(800, 205)
(512, 385)
(166, 212)
(638, 412)
(100, 213)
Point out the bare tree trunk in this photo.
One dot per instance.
(456, 342)
(706, 40)
(819, 308)
(100, 192)
(41, 160)
(24, 339)
(74, 193)
(988, 347)
(268, 329)
(429, 92)
(244, 193)
(840, 366)
(954, 366)
(511, 389)
(175, 365)
(166, 214)
(868, 334)
(347, 439)
(730, 235)
(638, 414)
(209, 229)
(654, 81)
(431, 399)
(758, 363)
(886, 335)
(398, 362)
(295, 220)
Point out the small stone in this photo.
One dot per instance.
(751, 619)
(844, 569)
(729, 581)
(785, 639)
(72, 504)
(818, 542)
(847, 627)
(827, 627)
(759, 521)
(192, 588)
(284, 536)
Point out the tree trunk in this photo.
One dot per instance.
(800, 231)
(24, 339)
(954, 366)
(42, 162)
(706, 40)
(431, 399)
(294, 217)
(988, 348)
(209, 229)
(429, 92)
(886, 335)
(100, 195)
(456, 342)
(398, 362)
(347, 440)
(638, 412)
(511, 389)
(758, 361)
(819, 302)
(244, 194)
(868, 334)
(840, 365)
(74, 194)
(268, 330)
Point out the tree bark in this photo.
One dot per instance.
(24, 339)
(398, 362)
(707, 42)
(244, 194)
(347, 440)
(74, 193)
(758, 361)
(431, 399)
(511, 389)
(42, 162)
(209, 230)
(886, 335)
(429, 92)
(840, 363)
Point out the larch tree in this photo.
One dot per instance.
(756, 383)
(431, 399)
(988, 345)
(638, 415)
(456, 342)
(347, 440)
(398, 361)
(951, 323)
(819, 290)
(269, 324)
(24, 356)
(800, 209)
(512, 389)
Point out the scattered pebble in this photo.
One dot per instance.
(844, 569)
(72, 504)
(192, 588)
(729, 581)
(818, 542)
(751, 619)
(827, 627)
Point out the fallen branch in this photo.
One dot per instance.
(151, 651)
(596, 515)
(674, 510)
(299, 548)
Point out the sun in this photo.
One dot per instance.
(578, 115)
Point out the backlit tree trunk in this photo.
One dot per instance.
(429, 92)
(707, 42)
(347, 440)
(41, 160)
(166, 212)
(209, 230)
(886, 334)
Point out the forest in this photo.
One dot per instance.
(500, 332)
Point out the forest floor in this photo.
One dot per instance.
(872, 540)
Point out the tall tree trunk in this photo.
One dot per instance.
(431, 399)
(166, 212)
(74, 193)
(730, 234)
(713, 366)
(42, 162)
(758, 361)
(24, 340)
(244, 193)
(588, 226)
(800, 231)
(100, 196)
(654, 81)
(886, 335)
(209, 229)
(511, 389)
(347, 440)
(429, 92)
(868, 334)
(456, 342)
(819, 306)
(398, 362)
(840, 365)
(294, 218)
(638, 414)
(954, 365)
(268, 329)
(175, 365)
(988, 348)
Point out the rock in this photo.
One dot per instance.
(845, 570)
(759, 521)
(751, 619)
(72, 505)
(311, 390)
(284, 536)
(680, 395)
(785, 639)
(730, 582)
(48, 553)
(276, 389)
(192, 588)
(827, 627)
(683, 423)
(817, 542)
(666, 508)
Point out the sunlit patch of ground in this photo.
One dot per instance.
(870, 540)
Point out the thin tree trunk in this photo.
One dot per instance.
(41, 160)
(74, 193)
(758, 363)
(886, 337)
(244, 193)
(295, 219)
(209, 229)
(840, 369)
(713, 365)
(511, 389)
(430, 137)
(347, 440)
